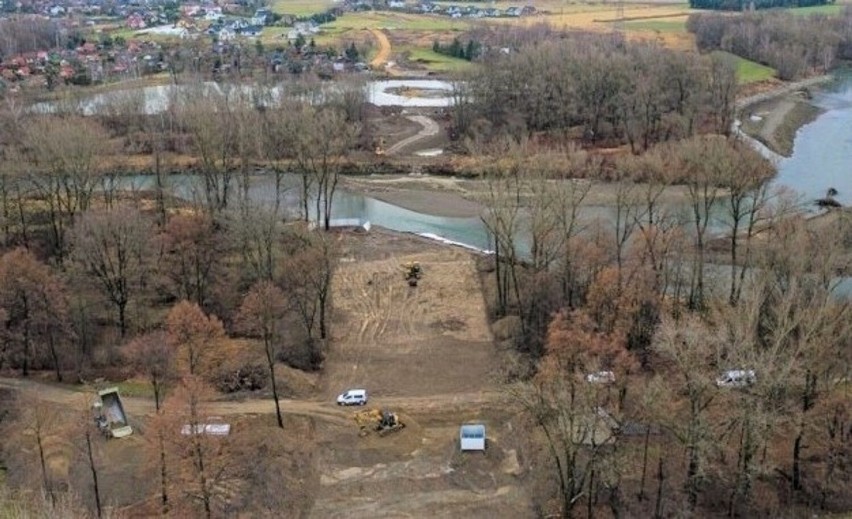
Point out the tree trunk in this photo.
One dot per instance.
(22, 219)
(54, 355)
(94, 472)
(44, 478)
(164, 496)
(271, 363)
(644, 464)
(797, 456)
(658, 507)
(122, 317)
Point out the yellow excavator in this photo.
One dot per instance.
(412, 272)
(379, 420)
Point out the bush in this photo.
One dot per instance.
(247, 377)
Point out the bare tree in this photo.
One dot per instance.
(35, 310)
(193, 334)
(191, 252)
(306, 273)
(113, 248)
(201, 464)
(260, 315)
(209, 116)
(64, 152)
(154, 356)
(567, 409)
(688, 345)
(321, 140)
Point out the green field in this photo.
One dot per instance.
(437, 62)
(300, 7)
(749, 71)
(832, 9)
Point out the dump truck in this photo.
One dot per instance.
(379, 420)
(110, 417)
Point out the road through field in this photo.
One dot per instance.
(430, 129)
(383, 55)
(327, 411)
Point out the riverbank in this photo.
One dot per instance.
(453, 197)
(775, 117)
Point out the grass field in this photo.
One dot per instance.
(749, 71)
(300, 7)
(436, 62)
(832, 9)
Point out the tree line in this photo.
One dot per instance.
(795, 46)
(611, 91)
(666, 297)
(456, 49)
(100, 255)
(741, 5)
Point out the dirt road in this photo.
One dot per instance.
(383, 55)
(429, 129)
(322, 410)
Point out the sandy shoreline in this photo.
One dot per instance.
(464, 198)
(436, 196)
(775, 117)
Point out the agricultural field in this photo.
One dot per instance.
(749, 71)
(300, 7)
(433, 61)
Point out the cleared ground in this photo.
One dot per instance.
(425, 353)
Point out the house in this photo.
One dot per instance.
(261, 17)
(135, 22)
(212, 13)
(251, 30)
(226, 34)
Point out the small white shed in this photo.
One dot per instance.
(472, 437)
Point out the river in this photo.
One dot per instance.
(822, 150)
(822, 158)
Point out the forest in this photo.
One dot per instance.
(795, 46)
(742, 5)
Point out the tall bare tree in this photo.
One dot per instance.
(35, 310)
(113, 248)
(65, 153)
(320, 141)
(261, 315)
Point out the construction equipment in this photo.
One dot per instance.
(110, 417)
(412, 272)
(379, 420)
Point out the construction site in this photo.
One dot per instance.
(411, 326)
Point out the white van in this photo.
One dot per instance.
(736, 378)
(353, 397)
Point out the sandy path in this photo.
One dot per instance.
(383, 55)
(322, 410)
(429, 129)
